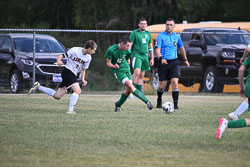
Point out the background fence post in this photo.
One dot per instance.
(34, 57)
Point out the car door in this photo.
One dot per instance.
(6, 59)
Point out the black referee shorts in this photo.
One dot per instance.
(169, 71)
(68, 78)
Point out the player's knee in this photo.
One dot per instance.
(78, 91)
(141, 76)
(56, 97)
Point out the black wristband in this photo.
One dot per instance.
(185, 59)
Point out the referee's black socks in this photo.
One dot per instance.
(175, 95)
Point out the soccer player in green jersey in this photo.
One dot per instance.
(118, 59)
(141, 44)
(244, 92)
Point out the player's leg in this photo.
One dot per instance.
(122, 77)
(44, 89)
(224, 124)
(160, 91)
(136, 64)
(175, 75)
(175, 91)
(240, 110)
(137, 78)
(74, 97)
(130, 88)
(163, 72)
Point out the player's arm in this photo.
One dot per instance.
(184, 56)
(83, 72)
(110, 65)
(59, 60)
(241, 80)
(151, 52)
(246, 52)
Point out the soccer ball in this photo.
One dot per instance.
(168, 107)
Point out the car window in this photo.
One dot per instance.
(41, 45)
(1, 40)
(186, 36)
(6, 43)
(226, 37)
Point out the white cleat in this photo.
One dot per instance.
(232, 116)
(70, 112)
(34, 87)
(222, 127)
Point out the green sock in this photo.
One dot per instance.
(135, 85)
(237, 124)
(138, 94)
(122, 99)
(139, 87)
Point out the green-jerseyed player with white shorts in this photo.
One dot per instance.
(141, 45)
(118, 58)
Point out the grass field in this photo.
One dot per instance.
(35, 131)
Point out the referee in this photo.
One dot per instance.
(169, 70)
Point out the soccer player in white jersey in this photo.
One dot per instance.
(78, 59)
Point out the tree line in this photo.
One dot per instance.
(116, 14)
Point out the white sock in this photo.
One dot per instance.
(46, 90)
(73, 101)
(241, 109)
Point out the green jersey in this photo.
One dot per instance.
(118, 57)
(140, 41)
(246, 63)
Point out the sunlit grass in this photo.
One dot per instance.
(35, 131)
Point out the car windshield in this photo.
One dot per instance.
(42, 45)
(227, 37)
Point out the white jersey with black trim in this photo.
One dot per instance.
(77, 60)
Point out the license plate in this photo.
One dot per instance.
(57, 78)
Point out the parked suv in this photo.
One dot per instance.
(214, 55)
(16, 60)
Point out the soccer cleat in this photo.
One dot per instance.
(222, 127)
(176, 107)
(70, 112)
(159, 103)
(117, 108)
(34, 87)
(232, 116)
(150, 105)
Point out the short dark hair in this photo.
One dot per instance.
(90, 44)
(125, 39)
(170, 19)
(142, 19)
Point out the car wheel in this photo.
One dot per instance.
(15, 81)
(210, 81)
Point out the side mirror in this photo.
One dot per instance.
(198, 43)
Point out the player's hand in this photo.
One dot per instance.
(60, 63)
(242, 60)
(151, 62)
(116, 66)
(164, 61)
(187, 63)
(242, 93)
(84, 82)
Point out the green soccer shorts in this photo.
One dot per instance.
(140, 63)
(123, 76)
